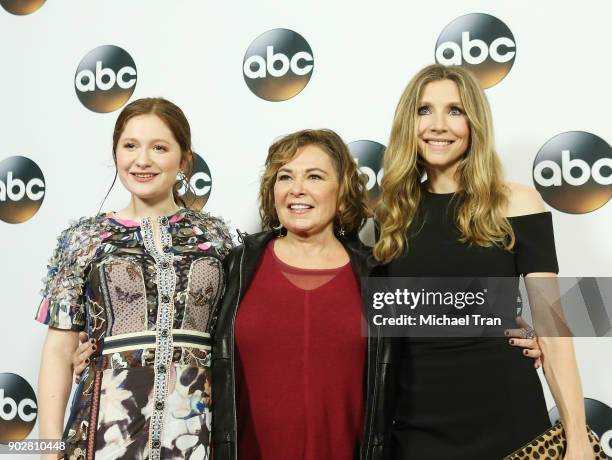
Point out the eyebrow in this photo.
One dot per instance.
(153, 141)
(450, 104)
(308, 170)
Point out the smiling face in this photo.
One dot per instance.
(306, 192)
(148, 158)
(443, 129)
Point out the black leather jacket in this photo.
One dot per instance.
(240, 267)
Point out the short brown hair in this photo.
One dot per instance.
(352, 193)
(175, 120)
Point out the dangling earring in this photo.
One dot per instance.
(278, 230)
(340, 227)
(182, 177)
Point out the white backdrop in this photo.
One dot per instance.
(191, 52)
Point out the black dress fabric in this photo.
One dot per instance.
(467, 398)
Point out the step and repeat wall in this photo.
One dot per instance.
(247, 73)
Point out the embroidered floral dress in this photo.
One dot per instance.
(146, 391)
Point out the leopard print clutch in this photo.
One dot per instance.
(551, 444)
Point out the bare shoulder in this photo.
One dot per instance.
(522, 200)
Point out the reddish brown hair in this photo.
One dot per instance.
(175, 120)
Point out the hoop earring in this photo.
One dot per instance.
(278, 230)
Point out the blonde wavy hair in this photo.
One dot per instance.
(482, 195)
(353, 209)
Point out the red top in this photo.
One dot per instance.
(300, 364)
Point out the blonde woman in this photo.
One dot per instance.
(446, 211)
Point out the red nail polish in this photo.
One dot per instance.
(525, 352)
(87, 361)
(94, 348)
(511, 341)
(92, 340)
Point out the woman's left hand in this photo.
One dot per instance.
(520, 338)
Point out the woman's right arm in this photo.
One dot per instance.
(55, 382)
(63, 310)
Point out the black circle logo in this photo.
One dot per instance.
(278, 65)
(480, 42)
(105, 78)
(200, 184)
(599, 419)
(573, 172)
(21, 7)
(369, 155)
(22, 189)
(18, 408)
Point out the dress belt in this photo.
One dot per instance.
(146, 339)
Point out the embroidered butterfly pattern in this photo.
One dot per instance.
(132, 272)
(202, 298)
(125, 296)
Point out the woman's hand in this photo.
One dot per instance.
(80, 357)
(579, 449)
(525, 338)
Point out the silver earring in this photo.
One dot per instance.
(341, 232)
(182, 178)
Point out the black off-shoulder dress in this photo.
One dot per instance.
(461, 398)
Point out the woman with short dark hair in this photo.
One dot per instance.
(291, 366)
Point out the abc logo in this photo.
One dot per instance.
(105, 79)
(599, 419)
(278, 65)
(21, 7)
(22, 189)
(200, 184)
(18, 408)
(480, 42)
(573, 172)
(369, 155)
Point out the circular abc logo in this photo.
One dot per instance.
(18, 408)
(369, 155)
(105, 79)
(599, 419)
(21, 7)
(200, 184)
(22, 189)
(278, 65)
(573, 172)
(480, 42)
